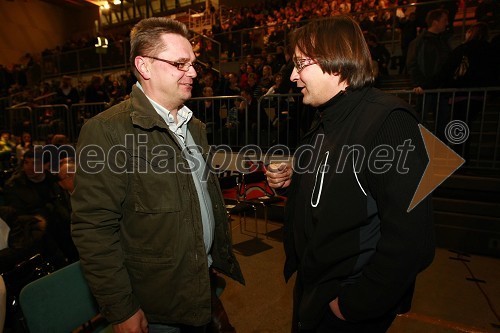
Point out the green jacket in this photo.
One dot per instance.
(136, 220)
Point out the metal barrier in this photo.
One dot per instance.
(280, 120)
(4, 105)
(49, 120)
(19, 119)
(226, 122)
(80, 113)
(468, 120)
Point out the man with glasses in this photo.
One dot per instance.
(348, 233)
(149, 220)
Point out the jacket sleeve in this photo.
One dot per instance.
(406, 245)
(97, 211)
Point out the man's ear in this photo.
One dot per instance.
(143, 67)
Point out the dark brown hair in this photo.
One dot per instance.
(145, 37)
(338, 46)
(478, 31)
(435, 15)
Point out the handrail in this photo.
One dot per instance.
(290, 115)
(219, 46)
(39, 98)
(444, 90)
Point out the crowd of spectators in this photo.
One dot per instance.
(264, 64)
(35, 212)
(261, 29)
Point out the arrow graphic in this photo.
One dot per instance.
(443, 162)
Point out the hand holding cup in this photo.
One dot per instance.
(279, 175)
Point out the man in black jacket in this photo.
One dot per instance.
(428, 57)
(349, 235)
(428, 54)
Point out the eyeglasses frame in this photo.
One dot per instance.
(178, 64)
(301, 63)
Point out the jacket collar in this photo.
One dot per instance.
(143, 113)
(337, 109)
(145, 116)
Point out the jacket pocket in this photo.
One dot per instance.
(156, 184)
(144, 273)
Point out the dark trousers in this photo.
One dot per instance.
(219, 323)
(331, 324)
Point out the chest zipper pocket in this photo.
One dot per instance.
(323, 168)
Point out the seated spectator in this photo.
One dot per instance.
(66, 93)
(25, 145)
(278, 77)
(52, 120)
(59, 140)
(26, 236)
(245, 69)
(30, 254)
(253, 86)
(28, 189)
(117, 92)
(34, 190)
(95, 91)
(231, 85)
(7, 148)
(267, 79)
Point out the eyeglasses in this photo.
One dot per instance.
(301, 63)
(182, 66)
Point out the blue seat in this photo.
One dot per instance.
(61, 302)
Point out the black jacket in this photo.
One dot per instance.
(480, 65)
(427, 60)
(348, 234)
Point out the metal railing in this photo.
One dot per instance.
(468, 120)
(226, 123)
(44, 121)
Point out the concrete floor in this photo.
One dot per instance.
(445, 300)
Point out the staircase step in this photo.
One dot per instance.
(467, 213)
(471, 207)
(466, 194)
(478, 242)
(467, 221)
(473, 183)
